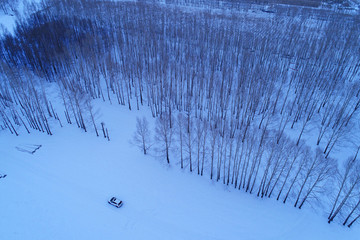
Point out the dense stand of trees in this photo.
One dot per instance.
(236, 93)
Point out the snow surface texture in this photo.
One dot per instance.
(61, 192)
(8, 20)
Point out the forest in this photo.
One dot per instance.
(265, 100)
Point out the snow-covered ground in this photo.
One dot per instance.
(7, 21)
(61, 192)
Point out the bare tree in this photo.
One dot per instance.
(214, 139)
(294, 155)
(142, 134)
(325, 171)
(164, 135)
(180, 132)
(349, 215)
(189, 141)
(300, 168)
(352, 180)
(343, 179)
(318, 170)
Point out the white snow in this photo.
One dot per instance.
(61, 192)
(7, 22)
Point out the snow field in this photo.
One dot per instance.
(61, 192)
